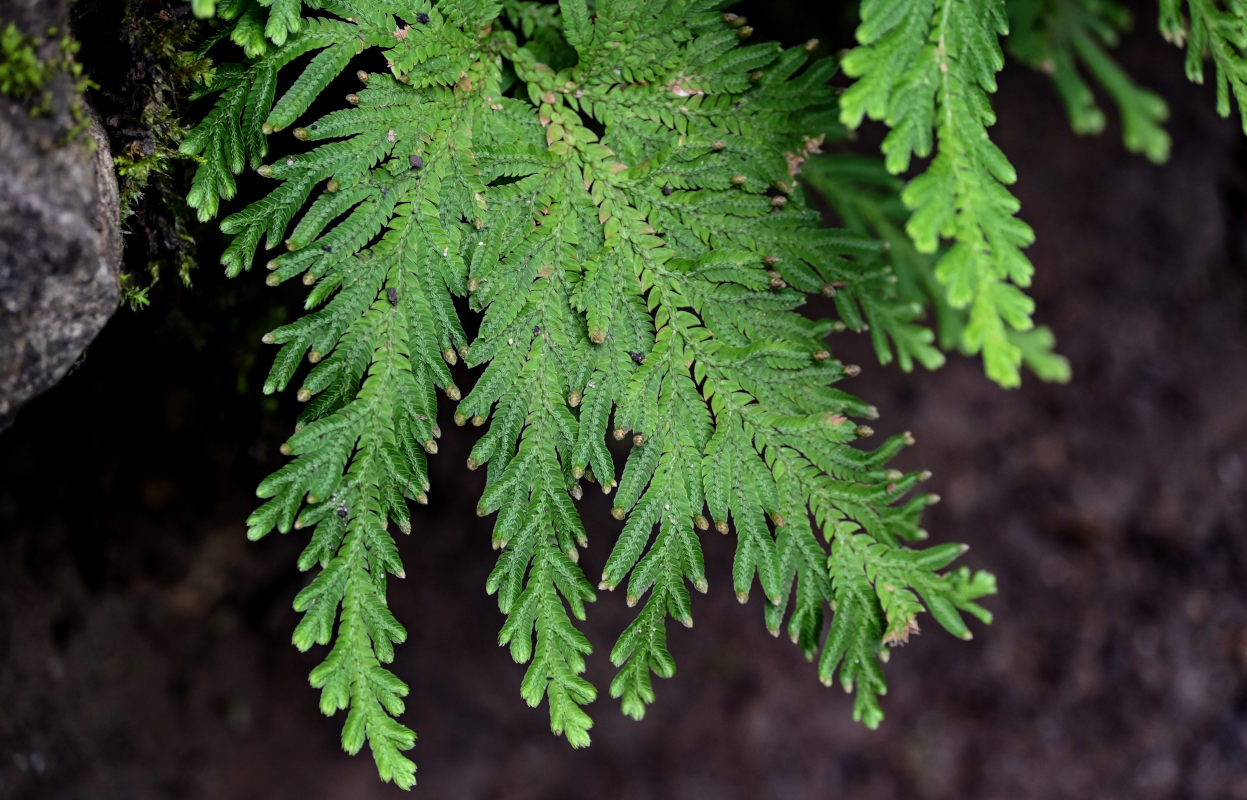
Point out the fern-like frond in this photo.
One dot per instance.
(258, 25)
(927, 68)
(616, 198)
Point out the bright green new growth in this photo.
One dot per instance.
(29, 64)
(929, 65)
(22, 74)
(615, 193)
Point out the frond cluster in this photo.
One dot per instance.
(613, 189)
(257, 25)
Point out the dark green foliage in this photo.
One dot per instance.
(613, 188)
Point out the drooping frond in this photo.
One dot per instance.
(866, 198)
(616, 198)
(927, 69)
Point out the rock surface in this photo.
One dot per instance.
(60, 236)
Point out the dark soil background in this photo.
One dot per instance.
(144, 644)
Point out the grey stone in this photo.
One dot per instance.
(60, 236)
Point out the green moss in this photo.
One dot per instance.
(22, 74)
(163, 71)
(26, 78)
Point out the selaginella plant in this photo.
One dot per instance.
(616, 188)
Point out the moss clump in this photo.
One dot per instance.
(26, 77)
(22, 73)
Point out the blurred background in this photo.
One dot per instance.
(144, 643)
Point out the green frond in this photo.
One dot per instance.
(259, 25)
(926, 68)
(617, 201)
